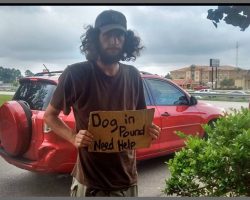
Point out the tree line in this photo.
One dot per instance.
(11, 75)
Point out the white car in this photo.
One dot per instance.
(237, 92)
(205, 91)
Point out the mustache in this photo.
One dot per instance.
(113, 48)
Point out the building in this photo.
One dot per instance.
(196, 75)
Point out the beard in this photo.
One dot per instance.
(107, 58)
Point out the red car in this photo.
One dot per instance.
(28, 143)
(200, 87)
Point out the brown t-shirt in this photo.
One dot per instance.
(85, 87)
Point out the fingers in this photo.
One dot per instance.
(83, 139)
(154, 131)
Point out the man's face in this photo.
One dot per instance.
(111, 46)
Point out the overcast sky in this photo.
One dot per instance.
(174, 37)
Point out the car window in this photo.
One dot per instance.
(147, 100)
(37, 94)
(165, 93)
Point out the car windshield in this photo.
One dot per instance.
(36, 93)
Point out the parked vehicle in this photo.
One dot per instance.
(205, 91)
(27, 142)
(200, 87)
(236, 92)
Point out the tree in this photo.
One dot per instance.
(234, 15)
(168, 76)
(8, 75)
(227, 82)
(28, 73)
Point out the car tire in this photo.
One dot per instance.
(15, 127)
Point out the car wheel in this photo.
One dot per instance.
(15, 127)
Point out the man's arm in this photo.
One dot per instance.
(81, 139)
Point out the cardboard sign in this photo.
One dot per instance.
(116, 131)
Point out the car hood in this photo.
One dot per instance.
(210, 108)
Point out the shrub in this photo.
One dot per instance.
(218, 166)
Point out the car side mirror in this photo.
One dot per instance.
(193, 101)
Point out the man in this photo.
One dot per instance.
(101, 83)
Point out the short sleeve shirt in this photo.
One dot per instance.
(84, 87)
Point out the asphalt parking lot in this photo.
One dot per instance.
(17, 182)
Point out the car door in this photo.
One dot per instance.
(154, 148)
(175, 113)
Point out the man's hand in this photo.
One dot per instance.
(154, 131)
(82, 139)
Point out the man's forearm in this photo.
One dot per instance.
(81, 139)
(60, 128)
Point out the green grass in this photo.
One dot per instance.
(4, 98)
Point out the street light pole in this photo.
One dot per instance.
(212, 77)
(214, 63)
(216, 76)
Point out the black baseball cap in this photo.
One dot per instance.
(109, 20)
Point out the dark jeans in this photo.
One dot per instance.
(79, 190)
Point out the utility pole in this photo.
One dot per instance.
(214, 63)
(237, 47)
(216, 76)
(212, 77)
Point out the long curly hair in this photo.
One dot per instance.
(90, 45)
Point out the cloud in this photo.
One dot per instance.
(174, 36)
